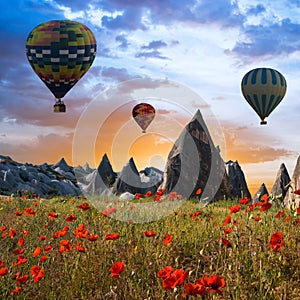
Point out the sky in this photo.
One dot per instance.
(179, 56)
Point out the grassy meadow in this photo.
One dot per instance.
(79, 248)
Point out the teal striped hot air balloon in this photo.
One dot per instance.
(263, 89)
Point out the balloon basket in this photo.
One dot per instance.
(59, 107)
(263, 123)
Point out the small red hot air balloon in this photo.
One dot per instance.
(143, 114)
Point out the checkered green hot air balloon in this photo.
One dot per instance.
(60, 53)
(263, 89)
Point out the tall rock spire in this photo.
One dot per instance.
(282, 180)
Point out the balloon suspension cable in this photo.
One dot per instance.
(59, 106)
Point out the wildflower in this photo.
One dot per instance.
(168, 239)
(176, 278)
(165, 272)
(264, 198)
(149, 233)
(138, 195)
(257, 219)
(22, 279)
(70, 218)
(42, 237)
(109, 211)
(43, 258)
(116, 269)
(194, 289)
(79, 248)
(287, 219)
(48, 248)
(19, 213)
(157, 199)
(52, 215)
(148, 194)
(18, 251)
(37, 273)
(13, 233)
(296, 222)
(112, 236)
(279, 214)
(29, 212)
(160, 192)
(276, 241)
(21, 260)
(37, 251)
(1, 263)
(3, 228)
(234, 209)
(25, 232)
(297, 192)
(213, 283)
(3, 271)
(80, 232)
(227, 220)
(65, 246)
(198, 192)
(16, 290)
(244, 200)
(84, 206)
(265, 206)
(226, 243)
(93, 237)
(21, 242)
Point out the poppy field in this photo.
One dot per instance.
(70, 248)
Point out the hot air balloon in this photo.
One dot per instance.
(143, 114)
(263, 89)
(60, 53)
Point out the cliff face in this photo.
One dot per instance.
(282, 180)
(194, 162)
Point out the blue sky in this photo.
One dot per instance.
(206, 46)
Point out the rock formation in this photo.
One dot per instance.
(238, 184)
(151, 179)
(261, 191)
(128, 180)
(44, 180)
(291, 199)
(191, 161)
(99, 180)
(282, 180)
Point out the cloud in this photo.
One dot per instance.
(256, 10)
(155, 45)
(122, 40)
(117, 74)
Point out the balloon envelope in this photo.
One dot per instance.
(143, 114)
(60, 53)
(263, 89)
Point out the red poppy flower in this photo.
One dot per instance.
(213, 283)
(165, 272)
(25, 232)
(52, 215)
(227, 230)
(3, 228)
(226, 243)
(43, 258)
(84, 206)
(70, 218)
(149, 233)
(297, 192)
(279, 215)
(1, 263)
(168, 239)
(21, 260)
(48, 248)
(65, 246)
(79, 248)
(198, 192)
(244, 200)
(298, 210)
(296, 222)
(157, 199)
(37, 251)
(194, 289)
(93, 237)
(13, 233)
(22, 279)
(112, 236)
(160, 192)
(19, 213)
(21, 242)
(116, 269)
(265, 206)
(257, 219)
(18, 251)
(16, 290)
(80, 232)
(138, 195)
(109, 211)
(29, 212)
(234, 209)
(227, 220)
(37, 273)
(3, 271)
(176, 278)
(276, 241)
(148, 194)
(288, 219)
(264, 198)
(42, 237)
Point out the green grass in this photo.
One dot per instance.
(251, 268)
